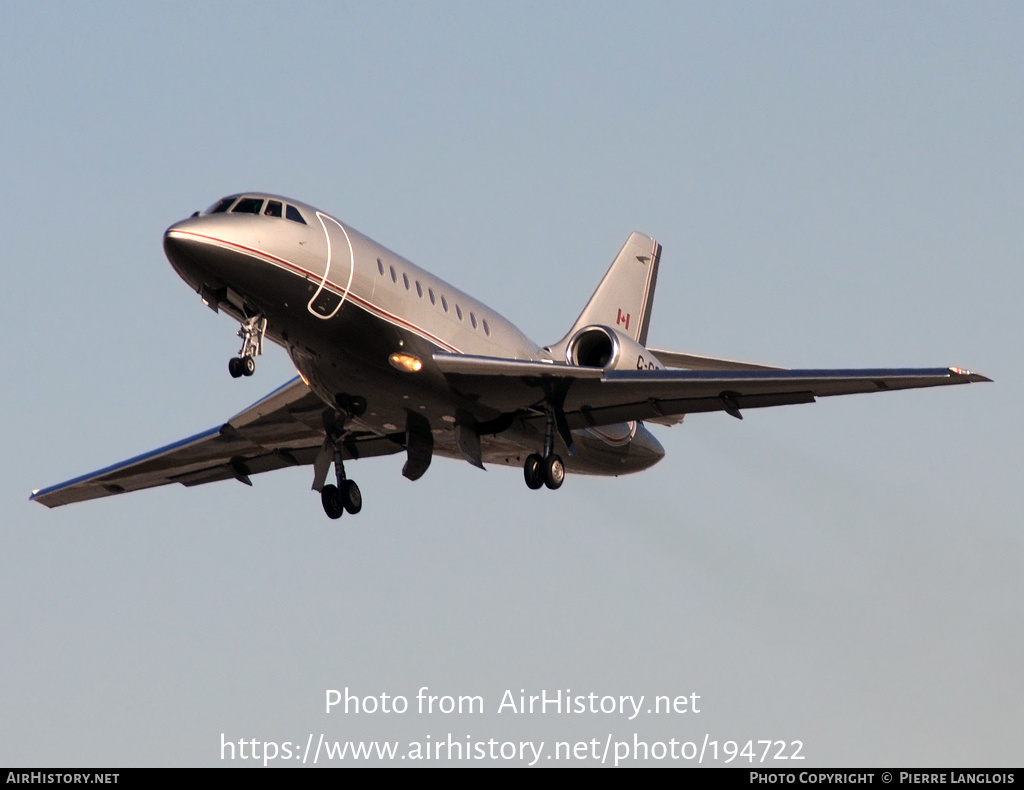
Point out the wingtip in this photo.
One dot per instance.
(969, 375)
(34, 497)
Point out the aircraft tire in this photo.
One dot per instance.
(329, 498)
(248, 366)
(235, 367)
(532, 472)
(351, 497)
(554, 472)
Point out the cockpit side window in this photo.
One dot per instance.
(293, 214)
(248, 206)
(273, 208)
(221, 205)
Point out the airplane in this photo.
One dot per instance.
(392, 359)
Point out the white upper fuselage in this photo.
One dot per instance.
(358, 269)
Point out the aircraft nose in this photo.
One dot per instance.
(174, 237)
(180, 247)
(184, 224)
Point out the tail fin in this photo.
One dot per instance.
(625, 296)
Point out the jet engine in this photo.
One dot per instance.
(603, 347)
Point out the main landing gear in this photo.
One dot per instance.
(252, 332)
(540, 471)
(336, 499)
(548, 469)
(343, 495)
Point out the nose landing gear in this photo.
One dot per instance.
(252, 332)
(241, 366)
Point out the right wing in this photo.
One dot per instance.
(286, 428)
(591, 396)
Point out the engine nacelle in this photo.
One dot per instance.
(603, 347)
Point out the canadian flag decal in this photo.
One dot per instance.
(622, 319)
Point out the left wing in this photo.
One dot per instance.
(593, 396)
(285, 428)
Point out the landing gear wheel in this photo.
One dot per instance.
(350, 496)
(241, 366)
(532, 471)
(330, 499)
(554, 472)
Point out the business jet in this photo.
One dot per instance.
(392, 359)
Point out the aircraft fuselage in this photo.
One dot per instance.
(343, 306)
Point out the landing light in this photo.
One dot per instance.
(406, 362)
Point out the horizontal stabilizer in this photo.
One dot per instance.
(673, 359)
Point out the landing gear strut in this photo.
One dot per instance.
(252, 332)
(344, 495)
(548, 469)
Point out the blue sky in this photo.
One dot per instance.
(833, 186)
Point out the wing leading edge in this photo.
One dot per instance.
(593, 396)
(283, 429)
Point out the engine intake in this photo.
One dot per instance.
(593, 346)
(602, 347)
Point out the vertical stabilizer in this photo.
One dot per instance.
(625, 296)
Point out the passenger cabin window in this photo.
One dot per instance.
(430, 293)
(273, 208)
(472, 320)
(487, 329)
(248, 206)
(419, 289)
(405, 279)
(293, 214)
(380, 266)
(458, 312)
(444, 303)
(394, 275)
(221, 205)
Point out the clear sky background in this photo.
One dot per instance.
(833, 184)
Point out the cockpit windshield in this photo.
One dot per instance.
(222, 205)
(248, 205)
(241, 204)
